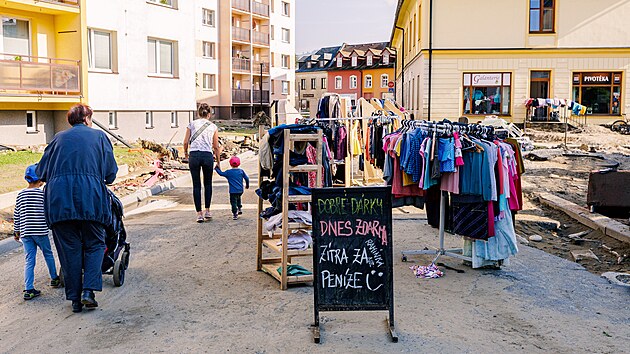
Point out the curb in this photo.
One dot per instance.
(595, 221)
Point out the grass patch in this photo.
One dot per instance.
(13, 165)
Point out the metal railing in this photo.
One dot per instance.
(240, 64)
(241, 5)
(39, 74)
(260, 9)
(241, 96)
(240, 34)
(265, 67)
(260, 37)
(265, 96)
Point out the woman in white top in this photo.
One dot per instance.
(202, 141)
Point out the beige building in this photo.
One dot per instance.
(247, 60)
(480, 64)
(311, 79)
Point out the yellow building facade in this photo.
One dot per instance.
(491, 57)
(43, 67)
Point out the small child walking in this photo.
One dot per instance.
(235, 177)
(31, 230)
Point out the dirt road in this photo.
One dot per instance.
(193, 288)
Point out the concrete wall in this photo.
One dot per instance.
(131, 126)
(207, 65)
(13, 127)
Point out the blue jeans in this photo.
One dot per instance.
(30, 244)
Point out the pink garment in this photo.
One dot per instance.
(513, 200)
(424, 161)
(491, 231)
(459, 160)
(311, 156)
(450, 181)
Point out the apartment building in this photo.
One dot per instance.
(141, 64)
(43, 67)
(312, 78)
(255, 55)
(482, 65)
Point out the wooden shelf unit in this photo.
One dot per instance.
(271, 265)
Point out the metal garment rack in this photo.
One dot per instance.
(441, 127)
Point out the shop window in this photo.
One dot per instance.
(487, 93)
(541, 16)
(599, 92)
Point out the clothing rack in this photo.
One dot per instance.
(444, 128)
(348, 122)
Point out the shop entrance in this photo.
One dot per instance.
(539, 88)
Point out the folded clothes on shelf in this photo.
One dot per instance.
(275, 222)
(299, 240)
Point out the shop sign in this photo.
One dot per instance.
(596, 79)
(308, 95)
(390, 84)
(486, 79)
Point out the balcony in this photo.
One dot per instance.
(37, 75)
(51, 7)
(240, 34)
(242, 5)
(265, 96)
(265, 68)
(240, 64)
(241, 96)
(258, 8)
(65, 2)
(260, 38)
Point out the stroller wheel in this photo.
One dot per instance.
(124, 258)
(119, 273)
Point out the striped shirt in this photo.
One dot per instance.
(28, 216)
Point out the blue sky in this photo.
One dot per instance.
(322, 23)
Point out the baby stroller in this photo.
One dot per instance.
(116, 245)
(116, 259)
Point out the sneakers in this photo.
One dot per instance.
(77, 306)
(240, 212)
(55, 283)
(200, 219)
(207, 215)
(31, 294)
(88, 299)
(235, 217)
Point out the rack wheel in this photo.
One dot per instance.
(124, 258)
(62, 279)
(404, 258)
(119, 273)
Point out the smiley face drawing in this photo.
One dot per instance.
(367, 280)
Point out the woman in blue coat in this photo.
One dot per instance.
(76, 166)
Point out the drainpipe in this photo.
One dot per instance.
(430, 56)
(402, 86)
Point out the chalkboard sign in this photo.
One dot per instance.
(352, 251)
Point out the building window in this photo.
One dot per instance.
(541, 16)
(286, 61)
(31, 122)
(338, 83)
(272, 32)
(148, 120)
(161, 57)
(385, 58)
(302, 84)
(309, 65)
(208, 82)
(354, 60)
(169, 3)
(339, 61)
(305, 106)
(286, 35)
(384, 80)
(600, 92)
(368, 60)
(313, 84)
(208, 50)
(286, 9)
(324, 83)
(100, 50)
(273, 86)
(368, 81)
(15, 37)
(487, 93)
(353, 82)
(208, 17)
(174, 120)
(112, 120)
(285, 87)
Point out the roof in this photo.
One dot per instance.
(315, 58)
(361, 49)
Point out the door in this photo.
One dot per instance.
(539, 88)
